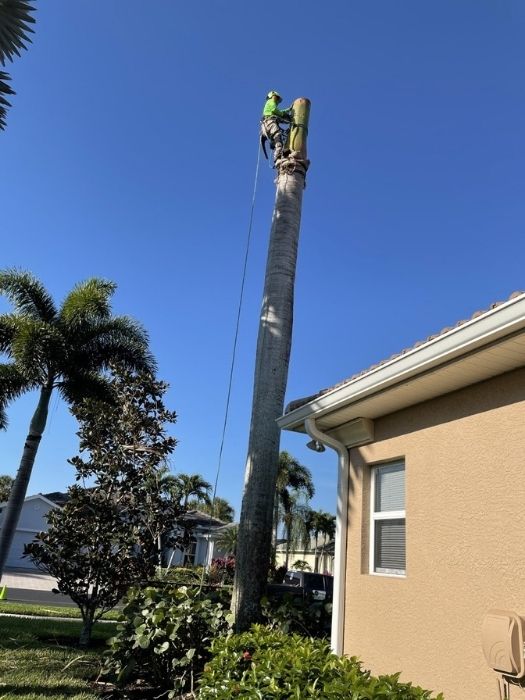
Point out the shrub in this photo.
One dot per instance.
(222, 570)
(296, 613)
(275, 666)
(182, 575)
(163, 637)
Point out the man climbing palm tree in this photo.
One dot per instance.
(62, 349)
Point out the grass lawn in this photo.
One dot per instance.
(40, 659)
(41, 610)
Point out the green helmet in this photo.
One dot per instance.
(273, 93)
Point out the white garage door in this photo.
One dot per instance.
(14, 558)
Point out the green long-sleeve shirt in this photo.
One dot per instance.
(271, 110)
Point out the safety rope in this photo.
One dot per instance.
(239, 309)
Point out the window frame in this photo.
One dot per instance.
(383, 515)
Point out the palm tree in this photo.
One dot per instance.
(227, 539)
(293, 481)
(270, 377)
(64, 349)
(15, 19)
(193, 485)
(218, 508)
(322, 523)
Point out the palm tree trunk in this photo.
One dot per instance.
(19, 490)
(271, 373)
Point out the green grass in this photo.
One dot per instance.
(41, 610)
(40, 659)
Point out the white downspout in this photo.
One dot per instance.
(338, 608)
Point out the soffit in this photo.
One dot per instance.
(483, 364)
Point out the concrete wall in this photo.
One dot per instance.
(465, 534)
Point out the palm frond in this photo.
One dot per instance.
(121, 340)
(88, 302)
(8, 325)
(36, 347)
(5, 89)
(15, 19)
(27, 294)
(86, 385)
(12, 384)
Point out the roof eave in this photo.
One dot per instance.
(500, 322)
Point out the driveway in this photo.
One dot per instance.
(25, 585)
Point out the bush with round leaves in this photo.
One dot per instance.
(272, 665)
(164, 636)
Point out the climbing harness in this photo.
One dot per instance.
(284, 134)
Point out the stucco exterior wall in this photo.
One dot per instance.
(465, 534)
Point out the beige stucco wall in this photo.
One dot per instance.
(465, 533)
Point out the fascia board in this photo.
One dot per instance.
(505, 319)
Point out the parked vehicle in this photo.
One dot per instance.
(306, 584)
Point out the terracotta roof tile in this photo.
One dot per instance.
(301, 402)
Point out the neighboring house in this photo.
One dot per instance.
(200, 550)
(324, 553)
(431, 500)
(32, 520)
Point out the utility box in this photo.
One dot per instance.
(503, 634)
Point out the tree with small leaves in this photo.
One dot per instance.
(105, 539)
(62, 349)
(6, 484)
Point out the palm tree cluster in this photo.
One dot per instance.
(15, 18)
(65, 349)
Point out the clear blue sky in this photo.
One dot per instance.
(130, 154)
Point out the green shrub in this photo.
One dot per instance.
(163, 637)
(295, 613)
(274, 666)
(182, 575)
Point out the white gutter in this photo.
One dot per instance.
(341, 522)
(503, 320)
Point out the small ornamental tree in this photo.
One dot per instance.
(106, 537)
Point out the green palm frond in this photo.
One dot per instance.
(88, 302)
(86, 385)
(27, 294)
(122, 341)
(8, 325)
(35, 347)
(5, 89)
(15, 18)
(12, 384)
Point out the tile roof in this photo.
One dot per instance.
(293, 405)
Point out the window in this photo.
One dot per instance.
(387, 536)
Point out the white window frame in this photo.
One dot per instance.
(384, 515)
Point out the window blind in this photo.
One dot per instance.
(390, 545)
(390, 487)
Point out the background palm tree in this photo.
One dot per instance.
(15, 19)
(64, 348)
(193, 485)
(322, 523)
(227, 539)
(294, 481)
(219, 508)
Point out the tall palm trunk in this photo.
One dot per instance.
(19, 489)
(271, 373)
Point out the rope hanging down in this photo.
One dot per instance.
(230, 380)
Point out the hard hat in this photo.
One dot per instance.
(272, 93)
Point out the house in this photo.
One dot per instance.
(200, 550)
(32, 520)
(431, 500)
(318, 557)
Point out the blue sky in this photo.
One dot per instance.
(130, 154)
